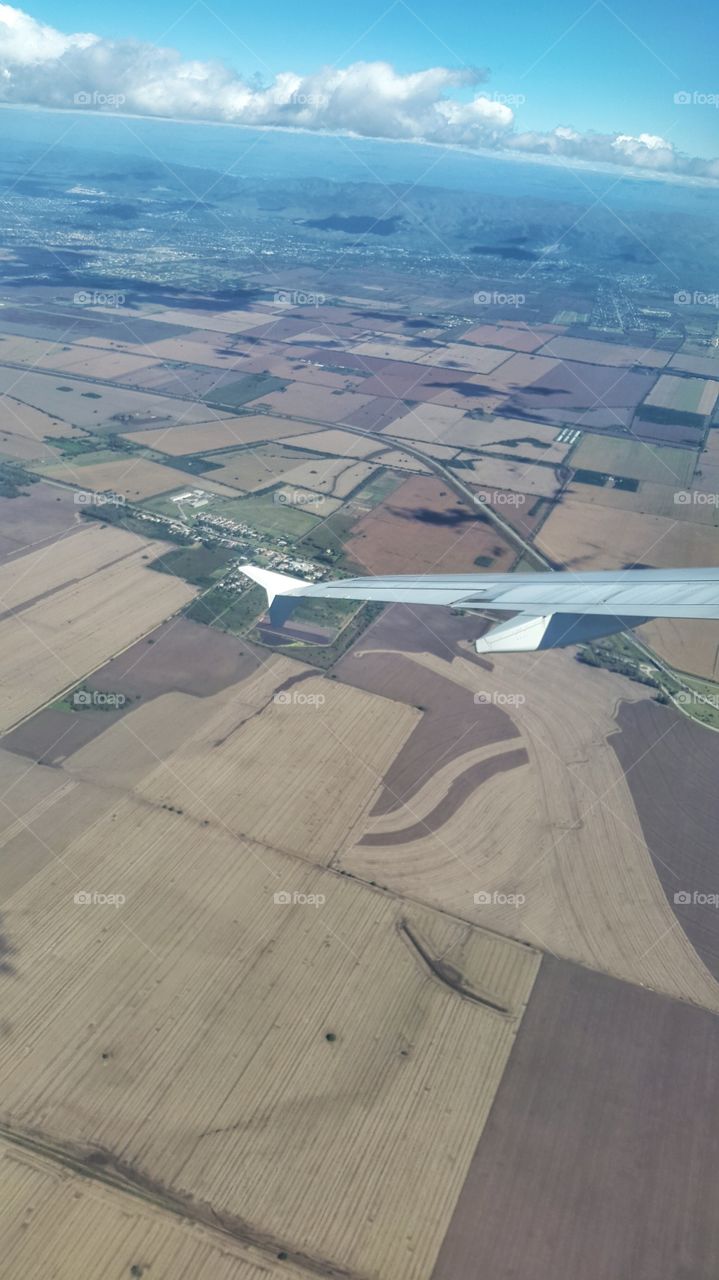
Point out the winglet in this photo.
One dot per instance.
(277, 585)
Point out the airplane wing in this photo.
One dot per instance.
(553, 609)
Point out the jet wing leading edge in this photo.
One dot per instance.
(552, 609)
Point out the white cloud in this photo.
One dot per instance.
(45, 67)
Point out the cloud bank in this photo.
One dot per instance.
(41, 66)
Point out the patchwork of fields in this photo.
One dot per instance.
(326, 950)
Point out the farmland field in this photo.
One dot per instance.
(640, 461)
(358, 1015)
(386, 540)
(557, 819)
(73, 604)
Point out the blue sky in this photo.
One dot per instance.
(589, 65)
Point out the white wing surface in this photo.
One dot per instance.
(554, 609)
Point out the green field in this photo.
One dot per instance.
(199, 565)
(658, 464)
(248, 388)
(378, 487)
(280, 519)
(227, 610)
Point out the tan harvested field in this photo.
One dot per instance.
(70, 606)
(134, 478)
(649, 499)
(512, 336)
(22, 432)
(258, 468)
(87, 405)
(216, 433)
(19, 350)
(336, 477)
(94, 363)
(499, 473)
(288, 366)
(689, 645)
(188, 351)
(305, 401)
(523, 370)
(405, 462)
(708, 364)
(508, 435)
(395, 347)
(428, 422)
(547, 815)
(277, 780)
(471, 392)
(220, 322)
(20, 419)
(594, 352)
(88, 1228)
(491, 472)
(470, 358)
(584, 536)
(256, 1061)
(341, 444)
